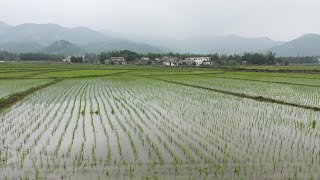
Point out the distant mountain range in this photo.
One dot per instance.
(53, 38)
(305, 45)
(222, 44)
(37, 37)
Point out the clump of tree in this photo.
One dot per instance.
(76, 59)
(153, 56)
(7, 56)
(225, 59)
(39, 57)
(299, 60)
(91, 57)
(127, 54)
(268, 58)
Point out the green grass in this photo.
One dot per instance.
(291, 67)
(78, 73)
(20, 94)
(294, 78)
(15, 74)
(11, 86)
(287, 91)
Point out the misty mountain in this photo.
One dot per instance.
(39, 38)
(29, 37)
(97, 47)
(224, 44)
(65, 48)
(4, 27)
(20, 47)
(305, 45)
(214, 44)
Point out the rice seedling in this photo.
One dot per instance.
(135, 127)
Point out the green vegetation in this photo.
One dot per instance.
(78, 73)
(129, 55)
(7, 56)
(39, 57)
(13, 86)
(75, 59)
(122, 122)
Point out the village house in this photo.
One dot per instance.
(207, 63)
(67, 60)
(187, 61)
(116, 61)
(142, 62)
(145, 59)
(170, 61)
(197, 61)
(244, 62)
(96, 62)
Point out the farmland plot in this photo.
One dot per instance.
(79, 73)
(131, 127)
(12, 86)
(298, 79)
(300, 94)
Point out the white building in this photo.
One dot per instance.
(170, 61)
(67, 59)
(188, 62)
(116, 60)
(197, 61)
(145, 59)
(207, 63)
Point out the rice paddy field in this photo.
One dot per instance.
(128, 122)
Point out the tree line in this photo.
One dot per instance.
(39, 57)
(76, 59)
(8, 56)
(299, 60)
(268, 58)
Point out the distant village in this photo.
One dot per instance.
(165, 61)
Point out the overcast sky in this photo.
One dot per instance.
(277, 19)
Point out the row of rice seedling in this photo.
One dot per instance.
(38, 124)
(13, 120)
(301, 122)
(78, 73)
(302, 95)
(306, 79)
(132, 127)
